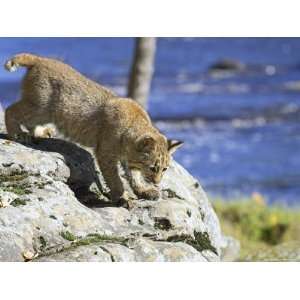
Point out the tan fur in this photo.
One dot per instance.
(118, 129)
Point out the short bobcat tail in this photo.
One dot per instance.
(21, 60)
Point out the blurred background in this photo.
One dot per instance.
(235, 102)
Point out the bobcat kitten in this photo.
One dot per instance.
(118, 129)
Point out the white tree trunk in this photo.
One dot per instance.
(142, 70)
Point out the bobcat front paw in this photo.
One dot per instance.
(125, 201)
(128, 204)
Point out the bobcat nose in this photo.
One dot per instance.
(156, 179)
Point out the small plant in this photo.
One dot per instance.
(42, 242)
(18, 202)
(67, 235)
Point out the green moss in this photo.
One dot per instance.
(13, 177)
(92, 238)
(42, 242)
(18, 202)
(95, 238)
(17, 189)
(200, 242)
(13, 183)
(67, 235)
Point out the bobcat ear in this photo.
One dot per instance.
(173, 145)
(145, 143)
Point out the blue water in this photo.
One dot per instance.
(241, 130)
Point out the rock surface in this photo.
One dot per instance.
(231, 250)
(53, 208)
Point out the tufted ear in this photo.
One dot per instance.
(145, 143)
(173, 145)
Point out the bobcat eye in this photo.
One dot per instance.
(152, 169)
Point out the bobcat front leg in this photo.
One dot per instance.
(23, 113)
(108, 165)
(13, 119)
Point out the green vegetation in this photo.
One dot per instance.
(257, 226)
(42, 242)
(91, 238)
(200, 242)
(94, 238)
(17, 189)
(13, 177)
(13, 183)
(18, 202)
(76, 241)
(67, 235)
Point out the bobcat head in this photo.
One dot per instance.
(151, 156)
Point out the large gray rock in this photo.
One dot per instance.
(53, 208)
(231, 249)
